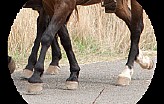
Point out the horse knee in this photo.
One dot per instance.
(46, 40)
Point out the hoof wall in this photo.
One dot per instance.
(123, 81)
(71, 85)
(35, 88)
(27, 73)
(52, 70)
(149, 65)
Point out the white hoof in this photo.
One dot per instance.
(145, 62)
(27, 73)
(52, 70)
(71, 85)
(35, 88)
(125, 77)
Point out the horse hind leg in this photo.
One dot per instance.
(144, 61)
(41, 26)
(72, 81)
(124, 13)
(134, 21)
(58, 19)
(56, 56)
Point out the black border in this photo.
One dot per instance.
(9, 10)
(8, 91)
(153, 9)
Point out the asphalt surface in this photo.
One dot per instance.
(97, 85)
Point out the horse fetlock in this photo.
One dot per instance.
(52, 70)
(125, 77)
(145, 62)
(35, 78)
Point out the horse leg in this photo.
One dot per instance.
(134, 21)
(137, 25)
(56, 56)
(41, 25)
(11, 64)
(58, 19)
(72, 81)
(124, 13)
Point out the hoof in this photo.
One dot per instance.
(12, 66)
(71, 85)
(123, 81)
(125, 77)
(27, 73)
(35, 88)
(52, 70)
(145, 62)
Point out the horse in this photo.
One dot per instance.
(42, 22)
(11, 64)
(59, 12)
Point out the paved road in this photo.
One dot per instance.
(97, 85)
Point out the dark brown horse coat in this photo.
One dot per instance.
(59, 7)
(59, 12)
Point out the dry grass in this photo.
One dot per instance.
(95, 37)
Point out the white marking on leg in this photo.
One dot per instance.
(126, 72)
(125, 77)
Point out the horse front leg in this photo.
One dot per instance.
(57, 20)
(41, 26)
(56, 56)
(72, 81)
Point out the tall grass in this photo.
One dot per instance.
(95, 35)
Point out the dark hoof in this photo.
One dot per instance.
(11, 66)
